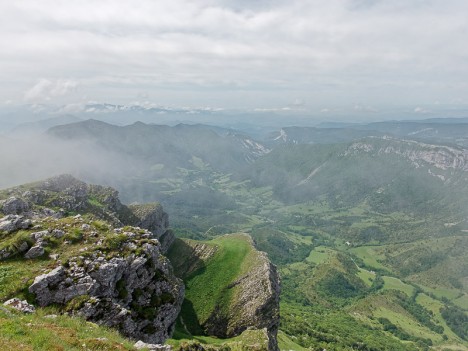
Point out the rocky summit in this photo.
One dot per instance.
(99, 259)
(77, 249)
(231, 286)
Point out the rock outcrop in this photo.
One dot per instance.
(63, 194)
(20, 305)
(105, 263)
(256, 303)
(151, 347)
(131, 288)
(14, 205)
(249, 302)
(12, 223)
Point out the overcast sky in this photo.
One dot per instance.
(244, 53)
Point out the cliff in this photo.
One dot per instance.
(231, 287)
(76, 248)
(82, 251)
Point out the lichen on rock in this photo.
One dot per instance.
(133, 290)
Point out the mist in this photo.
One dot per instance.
(36, 157)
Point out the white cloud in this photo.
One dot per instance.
(345, 50)
(45, 90)
(421, 110)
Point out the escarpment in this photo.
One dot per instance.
(124, 282)
(98, 258)
(89, 255)
(232, 287)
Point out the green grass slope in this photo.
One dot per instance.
(45, 330)
(210, 280)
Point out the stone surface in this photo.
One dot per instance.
(15, 205)
(40, 235)
(34, 252)
(23, 247)
(152, 217)
(20, 305)
(166, 240)
(12, 223)
(135, 292)
(151, 347)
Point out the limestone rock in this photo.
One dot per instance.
(19, 305)
(36, 236)
(23, 247)
(135, 292)
(34, 252)
(15, 205)
(57, 233)
(151, 217)
(11, 223)
(4, 254)
(166, 240)
(151, 347)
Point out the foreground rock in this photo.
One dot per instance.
(20, 305)
(104, 262)
(151, 347)
(131, 288)
(58, 195)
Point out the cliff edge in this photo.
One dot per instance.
(231, 287)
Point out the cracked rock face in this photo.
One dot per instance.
(14, 205)
(256, 305)
(136, 292)
(20, 305)
(253, 303)
(11, 223)
(35, 251)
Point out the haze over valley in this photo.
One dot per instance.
(234, 175)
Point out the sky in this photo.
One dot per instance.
(253, 54)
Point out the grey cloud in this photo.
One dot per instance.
(293, 46)
(45, 89)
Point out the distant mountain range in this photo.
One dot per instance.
(44, 124)
(453, 131)
(170, 147)
(366, 222)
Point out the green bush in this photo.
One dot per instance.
(74, 236)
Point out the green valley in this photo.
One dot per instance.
(369, 236)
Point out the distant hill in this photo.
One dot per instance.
(170, 147)
(389, 174)
(313, 135)
(450, 131)
(44, 124)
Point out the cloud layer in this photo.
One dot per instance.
(235, 53)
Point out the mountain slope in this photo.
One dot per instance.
(43, 125)
(231, 287)
(170, 146)
(86, 264)
(388, 174)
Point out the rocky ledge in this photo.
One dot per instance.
(129, 286)
(101, 260)
(256, 302)
(249, 302)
